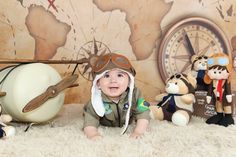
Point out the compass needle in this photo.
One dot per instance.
(188, 44)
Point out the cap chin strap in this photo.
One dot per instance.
(96, 96)
(97, 103)
(130, 95)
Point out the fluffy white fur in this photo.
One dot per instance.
(65, 138)
(180, 118)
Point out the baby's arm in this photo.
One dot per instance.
(141, 113)
(140, 128)
(92, 132)
(91, 122)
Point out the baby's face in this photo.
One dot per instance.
(114, 83)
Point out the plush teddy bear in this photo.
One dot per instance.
(198, 70)
(219, 92)
(5, 130)
(177, 104)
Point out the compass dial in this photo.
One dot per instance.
(184, 39)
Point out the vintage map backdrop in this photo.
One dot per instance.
(75, 29)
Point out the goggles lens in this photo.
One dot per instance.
(101, 63)
(121, 61)
(218, 61)
(175, 76)
(223, 61)
(210, 61)
(205, 57)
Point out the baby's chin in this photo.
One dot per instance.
(114, 93)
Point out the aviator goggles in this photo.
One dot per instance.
(117, 60)
(204, 57)
(178, 76)
(223, 61)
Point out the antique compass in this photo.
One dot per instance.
(190, 36)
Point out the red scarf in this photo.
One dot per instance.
(219, 89)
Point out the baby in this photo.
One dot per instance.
(115, 101)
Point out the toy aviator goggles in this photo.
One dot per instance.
(178, 76)
(223, 61)
(118, 61)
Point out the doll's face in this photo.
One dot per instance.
(218, 74)
(114, 83)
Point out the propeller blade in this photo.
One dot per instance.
(52, 91)
(65, 83)
(2, 94)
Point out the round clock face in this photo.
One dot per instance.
(186, 38)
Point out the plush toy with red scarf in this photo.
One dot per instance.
(219, 91)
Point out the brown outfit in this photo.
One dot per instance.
(226, 90)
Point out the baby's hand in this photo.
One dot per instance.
(140, 128)
(136, 135)
(96, 137)
(92, 133)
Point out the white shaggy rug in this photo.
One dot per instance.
(64, 138)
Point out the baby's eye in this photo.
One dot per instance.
(219, 72)
(106, 76)
(214, 72)
(120, 75)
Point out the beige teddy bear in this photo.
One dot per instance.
(176, 104)
(5, 130)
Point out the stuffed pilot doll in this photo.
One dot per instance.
(219, 91)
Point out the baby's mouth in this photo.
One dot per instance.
(113, 88)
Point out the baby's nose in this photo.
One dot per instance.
(113, 79)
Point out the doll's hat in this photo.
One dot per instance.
(220, 59)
